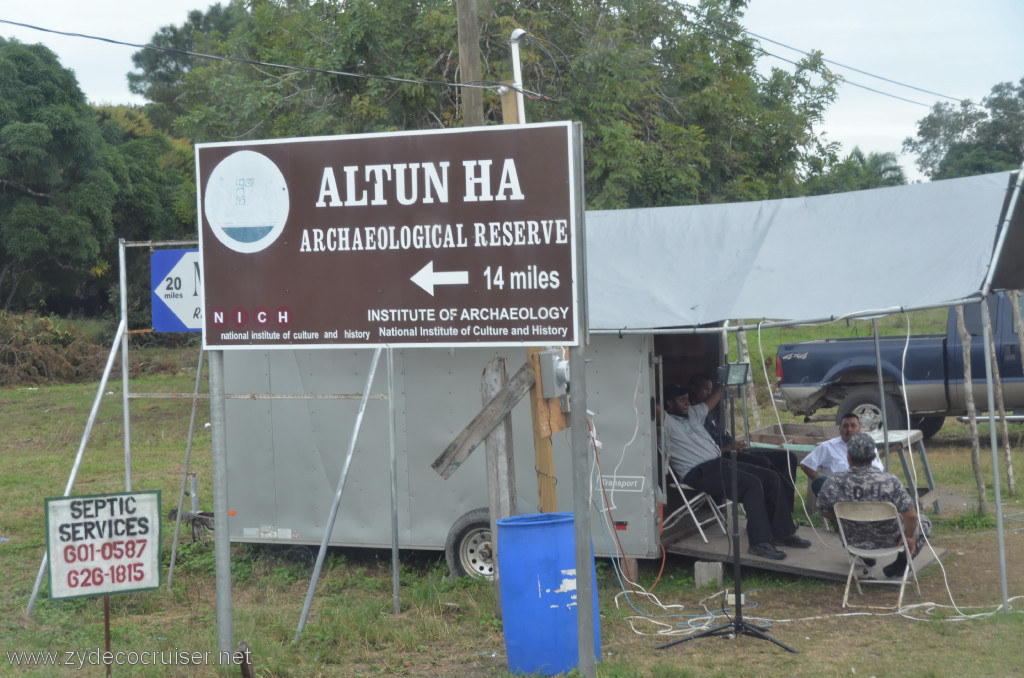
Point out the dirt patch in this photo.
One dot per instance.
(952, 501)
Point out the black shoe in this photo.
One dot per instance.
(766, 550)
(794, 541)
(896, 567)
(868, 562)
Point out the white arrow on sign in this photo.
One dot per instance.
(426, 278)
(182, 291)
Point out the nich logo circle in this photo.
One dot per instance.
(246, 201)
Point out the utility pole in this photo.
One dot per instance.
(541, 410)
(469, 63)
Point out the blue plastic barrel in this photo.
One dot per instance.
(537, 575)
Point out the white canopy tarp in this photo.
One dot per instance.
(795, 259)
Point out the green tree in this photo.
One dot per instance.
(967, 139)
(56, 181)
(163, 70)
(682, 115)
(156, 196)
(413, 41)
(857, 172)
(156, 200)
(673, 107)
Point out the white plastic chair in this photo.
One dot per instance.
(693, 503)
(866, 512)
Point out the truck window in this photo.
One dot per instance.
(972, 319)
(972, 316)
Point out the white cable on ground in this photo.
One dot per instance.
(636, 432)
(662, 625)
(913, 471)
(630, 589)
(608, 526)
(921, 612)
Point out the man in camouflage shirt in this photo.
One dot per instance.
(863, 482)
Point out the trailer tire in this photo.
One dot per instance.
(928, 426)
(863, 401)
(469, 548)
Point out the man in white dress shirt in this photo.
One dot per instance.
(830, 456)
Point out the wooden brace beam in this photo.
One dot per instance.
(484, 422)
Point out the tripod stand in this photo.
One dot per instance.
(730, 375)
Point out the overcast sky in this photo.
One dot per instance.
(951, 47)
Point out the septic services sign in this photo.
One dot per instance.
(101, 544)
(440, 238)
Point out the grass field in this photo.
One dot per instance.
(452, 628)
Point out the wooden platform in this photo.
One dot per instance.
(825, 559)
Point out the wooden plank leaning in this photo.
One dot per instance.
(484, 422)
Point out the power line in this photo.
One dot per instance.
(856, 70)
(851, 82)
(845, 80)
(484, 84)
(479, 84)
(710, 19)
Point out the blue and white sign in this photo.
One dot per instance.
(177, 297)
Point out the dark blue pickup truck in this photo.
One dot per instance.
(815, 375)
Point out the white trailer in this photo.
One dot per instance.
(285, 454)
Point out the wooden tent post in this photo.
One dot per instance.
(544, 460)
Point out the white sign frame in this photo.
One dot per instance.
(100, 544)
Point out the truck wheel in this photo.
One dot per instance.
(928, 426)
(863, 402)
(469, 548)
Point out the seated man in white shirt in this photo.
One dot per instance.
(830, 456)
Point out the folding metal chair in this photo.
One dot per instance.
(693, 503)
(849, 513)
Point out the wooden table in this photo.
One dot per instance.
(903, 441)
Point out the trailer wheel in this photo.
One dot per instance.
(469, 548)
(928, 426)
(864, 402)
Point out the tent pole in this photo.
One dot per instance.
(121, 329)
(1003, 230)
(221, 532)
(881, 394)
(184, 474)
(396, 594)
(329, 526)
(986, 326)
(125, 385)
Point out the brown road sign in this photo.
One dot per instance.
(440, 238)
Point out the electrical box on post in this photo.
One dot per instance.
(554, 373)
